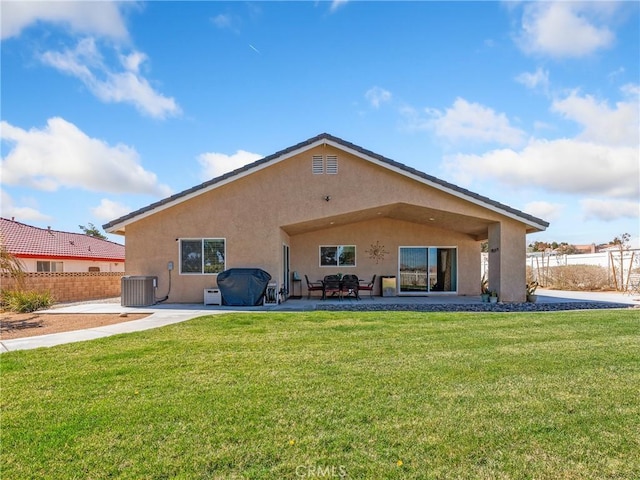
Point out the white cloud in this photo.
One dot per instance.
(8, 209)
(108, 210)
(602, 124)
(222, 20)
(471, 121)
(631, 90)
(61, 155)
(616, 73)
(86, 63)
(123, 83)
(610, 210)
(546, 210)
(563, 165)
(97, 18)
(216, 164)
(336, 4)
(537, 79)
(565, 29)
(377, 96)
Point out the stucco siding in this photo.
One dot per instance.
(392, 234)
(507, 261)
(286, 204)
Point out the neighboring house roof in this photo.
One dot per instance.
(25, 241)
(117, 226)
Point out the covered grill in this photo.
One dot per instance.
(243, 286)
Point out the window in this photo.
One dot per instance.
(47, 266)
(202, 256)
(428, 269)
(94, 269)
(337, 255)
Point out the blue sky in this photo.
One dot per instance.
(108, 107)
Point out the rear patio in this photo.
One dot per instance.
(547, 300)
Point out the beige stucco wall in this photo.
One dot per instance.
(507, 260)
(251, 211)
(392, 234)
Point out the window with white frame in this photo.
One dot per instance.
(337, 255)
(48, 266)
(202, 256)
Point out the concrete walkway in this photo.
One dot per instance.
(156, 319)
(167, 314)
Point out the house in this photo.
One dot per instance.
(590, 248)
(327, 206)
(47, 250)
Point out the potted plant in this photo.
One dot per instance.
(484, 289)
(493, 297)
(531, 292)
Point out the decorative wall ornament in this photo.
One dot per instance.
(376, 252)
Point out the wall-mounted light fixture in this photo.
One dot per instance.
(327, 198)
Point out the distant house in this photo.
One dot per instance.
(327, 206)
(47, 250)
(588, 248)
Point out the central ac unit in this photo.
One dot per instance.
(138, 291)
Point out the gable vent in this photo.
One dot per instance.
(317, 165)
(332, 164)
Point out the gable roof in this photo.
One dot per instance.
(118, 225)
(25, 241)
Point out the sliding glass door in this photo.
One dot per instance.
(428, 269)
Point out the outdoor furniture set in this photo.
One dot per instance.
(340, 286)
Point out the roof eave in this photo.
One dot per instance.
(529, 220)
(67, 257)
(118, 226)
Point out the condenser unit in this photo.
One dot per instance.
(138, 291)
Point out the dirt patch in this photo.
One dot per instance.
(20, 325)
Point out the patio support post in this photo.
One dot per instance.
(507, 261)
(494, 257)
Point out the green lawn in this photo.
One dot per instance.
(329, 395)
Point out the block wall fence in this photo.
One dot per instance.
(70, 286)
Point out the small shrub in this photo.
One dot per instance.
(578, 277)
(22, 301)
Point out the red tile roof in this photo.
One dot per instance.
(31, 242)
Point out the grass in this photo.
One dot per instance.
(330, 395)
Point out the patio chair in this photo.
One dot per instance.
(313, 287)
(369, 286)
(351, 286)
(332, 286)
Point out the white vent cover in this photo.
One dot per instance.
(332, 164)
(317, 165)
